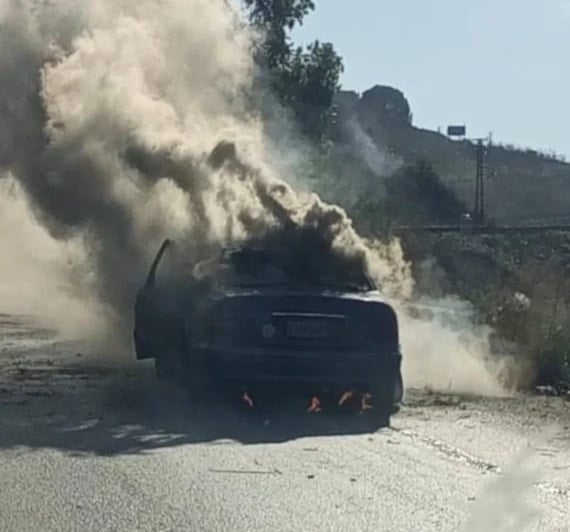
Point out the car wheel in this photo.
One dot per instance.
(383, 403)
(198, 386)
(398, 393)
(168, 366)
(383, 416)
(161, 369)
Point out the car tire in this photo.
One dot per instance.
(383, 417)
(398, 393)
(166, 369)
(196, 382)
(160, 369)
(180, 374)
(383, 396)
(197, 388)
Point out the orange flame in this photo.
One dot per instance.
(365, 402)
(345, 397)
(247, 399)
(315, 405)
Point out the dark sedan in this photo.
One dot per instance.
(246, 320)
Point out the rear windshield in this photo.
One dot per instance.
(261, 268)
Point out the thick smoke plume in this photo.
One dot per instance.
(124, 123)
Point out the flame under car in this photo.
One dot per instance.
(252, 320)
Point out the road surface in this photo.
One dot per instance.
(95, 443)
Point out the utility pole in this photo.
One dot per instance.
(479, 211)
(479, 207)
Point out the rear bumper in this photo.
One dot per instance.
(262, 365)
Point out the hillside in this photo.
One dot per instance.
(520, 185)
(387, 172)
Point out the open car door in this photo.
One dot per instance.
(148, 311)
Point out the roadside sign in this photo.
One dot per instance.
(456, 131)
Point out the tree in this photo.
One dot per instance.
(276, 18)
(304, 79)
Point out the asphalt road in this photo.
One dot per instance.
(92, 443)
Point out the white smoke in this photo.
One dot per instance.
(39, 275)
(379, 161)
(117, 119)
(448, 352)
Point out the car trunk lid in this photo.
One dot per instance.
(303, 321)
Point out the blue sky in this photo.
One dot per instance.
(495, 65)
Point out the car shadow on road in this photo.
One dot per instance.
(110, 411)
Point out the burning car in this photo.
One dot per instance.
(247, 317)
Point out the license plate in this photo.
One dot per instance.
(306, 329)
